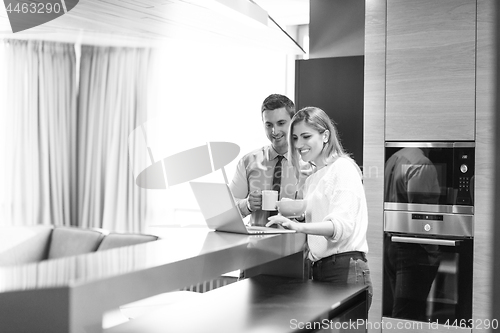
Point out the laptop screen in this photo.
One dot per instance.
(212, 198)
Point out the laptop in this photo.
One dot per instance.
(221, 213)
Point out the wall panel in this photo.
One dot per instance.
(373, 148)
(485, 154)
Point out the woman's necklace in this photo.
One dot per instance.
(317, 168)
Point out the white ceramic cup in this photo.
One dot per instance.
(269, 199)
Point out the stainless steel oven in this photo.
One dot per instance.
(428, 267)
(428, 232)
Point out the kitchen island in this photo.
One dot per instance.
(72, 294)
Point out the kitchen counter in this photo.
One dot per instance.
(71, 294)
(261, 304)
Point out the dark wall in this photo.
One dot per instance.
(336, 86)
(336, 28)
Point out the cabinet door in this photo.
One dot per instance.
(430, 69)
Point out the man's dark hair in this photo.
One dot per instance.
(277, 101)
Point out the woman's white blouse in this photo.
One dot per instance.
(335, 193)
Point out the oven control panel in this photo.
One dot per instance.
(431, 224)
(427, 217)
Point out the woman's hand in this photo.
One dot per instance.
(323, 228)
(282, 221)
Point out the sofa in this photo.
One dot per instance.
(28, 244)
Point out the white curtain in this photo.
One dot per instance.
(112, 103)
(37, 133)
(63, 143)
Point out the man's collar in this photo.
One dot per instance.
(273, 153)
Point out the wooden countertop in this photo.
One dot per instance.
(260, 304)
(71, 294)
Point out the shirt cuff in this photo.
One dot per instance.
(337, 231)
(243, 206)
(248, 205)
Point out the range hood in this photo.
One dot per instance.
(162, 23)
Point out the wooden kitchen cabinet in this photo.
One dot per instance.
(430, 70)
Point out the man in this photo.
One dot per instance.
(256, 170)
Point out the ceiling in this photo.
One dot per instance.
(287, 12)
(172, 22)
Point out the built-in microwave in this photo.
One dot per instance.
(429, 177)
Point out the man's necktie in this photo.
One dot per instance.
(277, 180)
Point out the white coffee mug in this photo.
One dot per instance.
(269, 199)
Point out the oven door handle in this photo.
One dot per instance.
(428, 241)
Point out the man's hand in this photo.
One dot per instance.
(254, 200)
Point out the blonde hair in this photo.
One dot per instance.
(319, 121)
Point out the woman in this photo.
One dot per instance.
(336, 214)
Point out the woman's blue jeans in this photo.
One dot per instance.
(344, 268)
